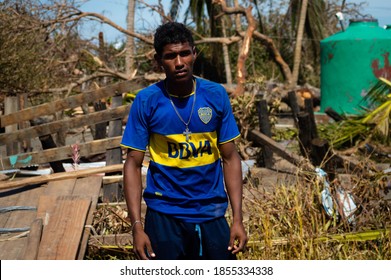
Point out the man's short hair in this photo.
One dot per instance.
(171, 33)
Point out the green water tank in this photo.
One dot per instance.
(351, 62)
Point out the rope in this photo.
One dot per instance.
(14, 208)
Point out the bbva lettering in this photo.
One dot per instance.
(184, 150)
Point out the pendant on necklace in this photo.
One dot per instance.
(187, 133)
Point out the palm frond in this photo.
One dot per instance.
(378, 93)
(375, 122)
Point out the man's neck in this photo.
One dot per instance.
(180, 88)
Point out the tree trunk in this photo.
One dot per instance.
(130, 46)
(227, 64)
(241, 75)
(299, 41)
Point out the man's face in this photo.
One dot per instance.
(177, 61)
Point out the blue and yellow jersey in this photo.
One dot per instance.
(185, 178)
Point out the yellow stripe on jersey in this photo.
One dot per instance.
(174, 151)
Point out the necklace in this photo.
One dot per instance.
(186, 132)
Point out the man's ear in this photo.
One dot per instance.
(157, 59)
(195, 52)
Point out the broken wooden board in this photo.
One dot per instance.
(61, 236)
(85, 188)
(280, 151)
(89, 186)
(33, 240)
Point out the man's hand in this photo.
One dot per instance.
(142, 245)
(238, 238)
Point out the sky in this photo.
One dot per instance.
(116, 11)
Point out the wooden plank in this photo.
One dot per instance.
(15, 249)
(61, 187)
(61, 237)
(33, 240)
(89, 186)
(48, 201)
(113, 179)
(7, 198)
(61, 153)
(23, 218)
(46, 206)
(70, 102)
(67, 124)
(279, 150)
(60, 176)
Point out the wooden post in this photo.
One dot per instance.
(26, 145)
(321, 155)
(309, 108)
(100, 105)
(100, 128)
(11, 105)
(265, 128)
(305, 137)
(294, 106)
(319, 151)
(47, 142)
(113, 192)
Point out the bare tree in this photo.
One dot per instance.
(130, 45)
(299, 43)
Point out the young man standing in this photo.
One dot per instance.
(188, 125)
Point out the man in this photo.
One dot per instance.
(188, 125)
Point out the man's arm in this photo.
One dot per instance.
(233, 182)
(133, 195)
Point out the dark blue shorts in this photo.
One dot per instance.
(173, 239)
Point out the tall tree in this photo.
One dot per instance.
(130, 45)
(307, 20)
(299, 43)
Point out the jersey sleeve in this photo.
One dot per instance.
(136, 135)
(228, 129)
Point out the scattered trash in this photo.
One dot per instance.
(327, 199)
(246, 166)
(344, 200)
